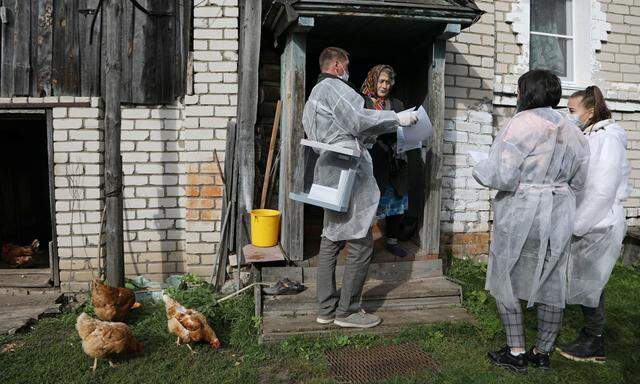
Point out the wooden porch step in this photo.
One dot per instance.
(393, 271)
(25, 277)
(435, 292)
(277, 327)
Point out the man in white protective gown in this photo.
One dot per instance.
(335, 114)
(600, 221)
(538, 163)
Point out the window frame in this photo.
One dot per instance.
(571, 49)
(583, 22)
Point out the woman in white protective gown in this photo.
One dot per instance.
(538, 163)
(600, 221)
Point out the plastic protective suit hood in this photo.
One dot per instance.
(600, 218)
(538, 163)
(335, 114)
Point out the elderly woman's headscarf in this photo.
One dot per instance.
(370, 85)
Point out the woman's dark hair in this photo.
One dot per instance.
(592, 98)
(537, 89)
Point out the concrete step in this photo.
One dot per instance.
(435, 292)
(18, 310)
(277, 327)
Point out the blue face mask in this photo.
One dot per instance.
(576, 120)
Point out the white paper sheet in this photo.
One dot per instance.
(412, 137)
(478, 156)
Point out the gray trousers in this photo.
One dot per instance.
(549, 324)
(594, 318)
(355, 274)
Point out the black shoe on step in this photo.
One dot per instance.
(538, 360)
(584, 348)
(504, 358)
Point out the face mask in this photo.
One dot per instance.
(345, 75)
(575, 119)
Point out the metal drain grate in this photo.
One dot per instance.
(378, 363)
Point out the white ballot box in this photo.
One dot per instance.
(330, 172)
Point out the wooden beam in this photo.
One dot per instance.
(42, 47)
(36, 105)
(112, 158)
(249, 53)
(53, 248)
(430, 231)
(292, 82)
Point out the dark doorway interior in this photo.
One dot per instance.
(25, 213)
(406, 47)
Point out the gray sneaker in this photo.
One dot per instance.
(358, 320)
(325, 319)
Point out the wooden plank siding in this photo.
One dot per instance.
(46, 49)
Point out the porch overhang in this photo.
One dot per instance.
(280, 14)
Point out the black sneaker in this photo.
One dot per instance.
(538, 360)
(584, 348)
(504, 358)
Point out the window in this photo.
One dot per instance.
(552, 38)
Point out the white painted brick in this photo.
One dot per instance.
(59, 112)
(148, 146)
(223, 66)
(226, 22)
(67, 123)
(199, 110)
(163, 180)
(162, 157)
(85, 134)
(85, 157)
(135, 113)
(84, 112)
(68, 146)
(149, 168)
(162, 202)
(207, 78)
(149, 124)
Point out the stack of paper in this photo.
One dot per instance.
(412, 137)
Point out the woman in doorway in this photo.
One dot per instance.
(600, 221)
(538, 163)
(389, 169)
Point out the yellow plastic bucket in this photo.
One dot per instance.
(265, 227)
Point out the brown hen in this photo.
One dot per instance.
(105, 340)
(188, 324)
(19, 256)
(112, 304)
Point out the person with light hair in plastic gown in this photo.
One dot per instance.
(538, 163)
(335, 114)
(600, 221)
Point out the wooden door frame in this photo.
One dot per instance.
(54, 261)
(293, 71)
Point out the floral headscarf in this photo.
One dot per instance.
(370, 85)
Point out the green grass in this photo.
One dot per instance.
(51, 352)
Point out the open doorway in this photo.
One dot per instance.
(405, 47)
(25, 201)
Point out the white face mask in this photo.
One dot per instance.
(345, 75)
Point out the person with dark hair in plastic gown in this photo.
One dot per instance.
(335, 114)
(538, 163)
(600, 221)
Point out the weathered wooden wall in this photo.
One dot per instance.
(45, 49)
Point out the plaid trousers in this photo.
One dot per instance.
(549, 324)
